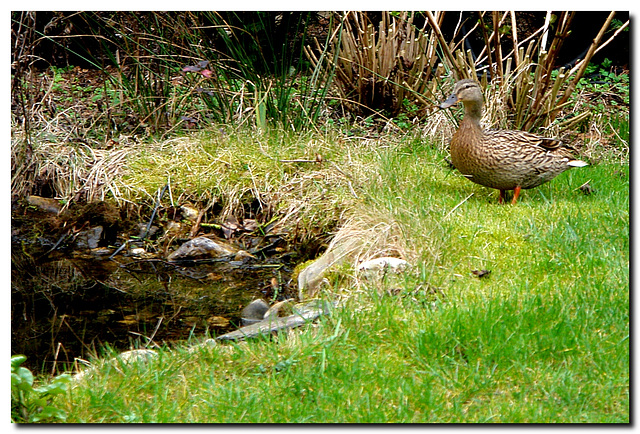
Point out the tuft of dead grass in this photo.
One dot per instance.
(365, 234)
(74, 172)
(378, 65)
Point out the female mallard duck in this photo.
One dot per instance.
(501, 159)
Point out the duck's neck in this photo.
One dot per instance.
(472, 114)
(467, 141)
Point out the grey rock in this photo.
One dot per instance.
(254, 312)
(304, 314)
(89, 238)
(200, 248)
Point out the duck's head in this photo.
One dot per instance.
(466, 90)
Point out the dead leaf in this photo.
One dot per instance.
(481, 273)
(217, 321)
(586, 188)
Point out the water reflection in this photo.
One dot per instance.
(70, 308)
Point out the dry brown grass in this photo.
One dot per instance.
(73, 172)
(378, 65)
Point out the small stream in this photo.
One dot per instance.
(71, 307)
(97, 276)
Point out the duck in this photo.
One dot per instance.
(502, 159)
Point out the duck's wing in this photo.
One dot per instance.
(524, 138)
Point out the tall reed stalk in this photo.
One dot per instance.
(525, 90)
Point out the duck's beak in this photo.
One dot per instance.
(452, 100)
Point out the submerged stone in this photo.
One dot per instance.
(200, 248)
(89, 238)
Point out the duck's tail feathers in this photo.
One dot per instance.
(576, 163)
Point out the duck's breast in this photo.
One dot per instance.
(485, 162)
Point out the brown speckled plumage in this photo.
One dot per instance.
(502, 159)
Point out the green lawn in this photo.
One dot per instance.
(543, 338)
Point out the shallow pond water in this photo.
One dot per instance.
(69, 308)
